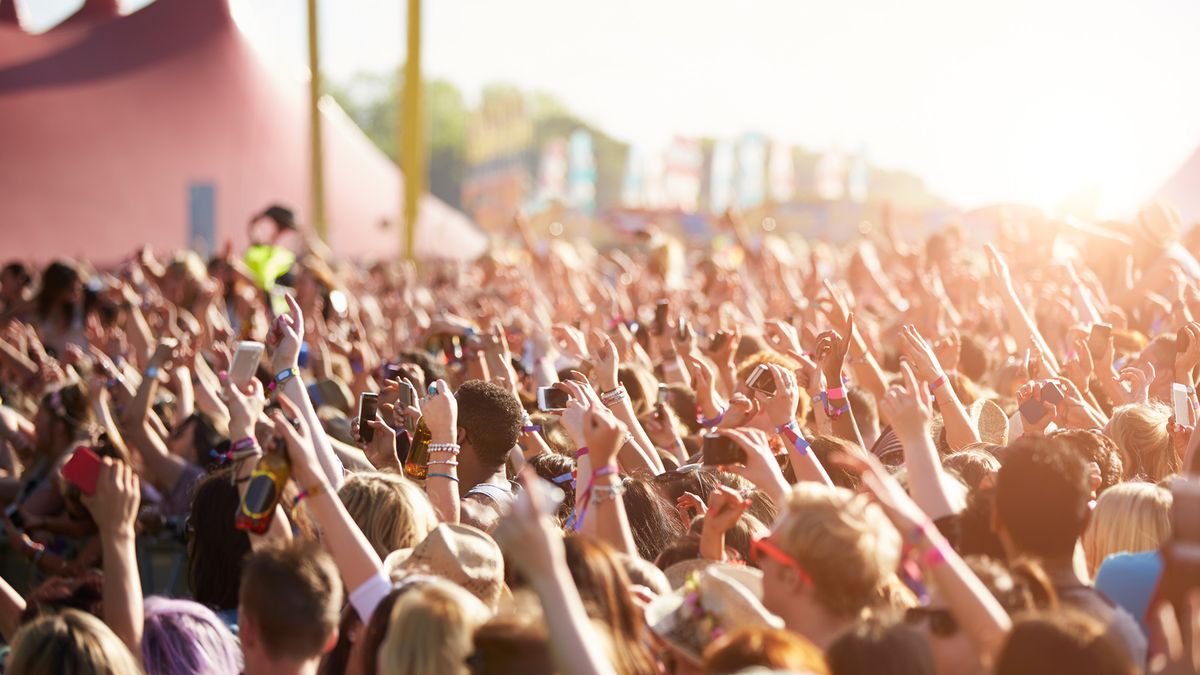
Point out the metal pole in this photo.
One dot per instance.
(316, 152)
(412, 126)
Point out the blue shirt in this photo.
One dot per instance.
(1129, 579)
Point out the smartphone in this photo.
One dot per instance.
(660, 316)
(681, 329)
(717, 450)
(1032, 411)
(660, 403)
(761, 380)
(368, 405)
(392, 371)
(338, 302)
(407, 393)
(551, 399)
(1183, 407)
(246, 356)
(1051, 393)
(1099, 337)
(82, 470)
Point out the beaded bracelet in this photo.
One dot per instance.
(610, 398)
(604, 493)
(452, 448)
(443, 462)
(443, 475)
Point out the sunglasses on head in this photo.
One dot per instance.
(941, 621)
(762, 547)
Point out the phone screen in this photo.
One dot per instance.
(660, 316)
(551, 399)
(245, 362)
(1099, 337)
(368, 404)
(717, 450)
(1183, 407)
(82, 470)
(1032, 411)
(1051, 394)
(761, 380)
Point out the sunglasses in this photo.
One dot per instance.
(762, 546)
(941, 621)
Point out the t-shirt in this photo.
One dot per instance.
(1122, 629)
(267, 263)
(1129, 579)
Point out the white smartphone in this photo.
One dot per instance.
(551, 399)
(1183, 407)
(246, 356)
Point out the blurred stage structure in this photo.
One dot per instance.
(166, 127)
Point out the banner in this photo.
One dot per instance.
(581, 178)
(720, 191)
(499, 135)
(751, 171)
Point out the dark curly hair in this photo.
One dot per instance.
(491, 416)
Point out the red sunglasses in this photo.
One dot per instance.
(762, 546)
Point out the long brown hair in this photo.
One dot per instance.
(604, 587)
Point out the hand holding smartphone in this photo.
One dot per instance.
(552, 400)
(762, 380)
(368, 405)
(1182, 405)
(717, 450)
(246, 357)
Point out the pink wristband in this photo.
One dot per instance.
(835, 393)
(936, 384)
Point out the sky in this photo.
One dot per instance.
(1023, 100)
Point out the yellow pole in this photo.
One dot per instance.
(412, 146)
(316, 154)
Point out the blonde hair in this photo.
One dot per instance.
(430, 630)
(1128, 517)
(70, 643)
(844, 542)
(390, 510)
(1140, 432)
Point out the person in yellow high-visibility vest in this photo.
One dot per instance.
(267, 258)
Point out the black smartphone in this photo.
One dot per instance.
(1032, 411)
(368, 405)
(1051, 393)
(661, 310)
(392, 371)
(717, 450)
(1099, 338)
(762, 380)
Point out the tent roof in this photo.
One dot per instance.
(108, 122)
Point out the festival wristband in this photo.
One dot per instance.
(283, 376)
(305, 493)
(581, 452)
(708, 423)
(936, 384)
(151, 373)
(443, 475)
(835, 393)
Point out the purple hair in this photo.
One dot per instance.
(185, 637)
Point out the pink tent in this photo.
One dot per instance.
(165, 127)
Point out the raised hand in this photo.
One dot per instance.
(925, 362)
(782, 336)
(907, 407)
(605, 362)
(725, 507)
(604, 435)
(948, 350)
(780, 407)
(760, 468)
(245, 406)
(831, 354)
(704, 383)
(1079, 366)
(381, 449)
(1139, 380)
(285, 335)
(440, 410)
(570, 341)
(114, 506)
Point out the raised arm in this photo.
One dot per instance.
(981, 615)
(114, 507)
(440, 413)
(285, 336)
(910, 412)
(607, 520)
(959, 431)
(1020, 320)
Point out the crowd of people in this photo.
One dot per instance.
(892, 455)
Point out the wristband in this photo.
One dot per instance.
(314, 491)
(443, 475)
(283, 376)
(243, 444)
(443, 462)
(531, 428)
(918, 533)
(356, 366)
(563, 478)
(835, 393)
(934, 556)
(452, 448)
(581, 452)
(604, 493)
(607, 470)
(706, 423)
(936, 384)
(151, 373)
